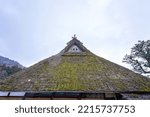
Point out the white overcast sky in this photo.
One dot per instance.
(32, 30)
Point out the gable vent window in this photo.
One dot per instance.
(74, 48)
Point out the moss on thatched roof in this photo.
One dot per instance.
(82, 71)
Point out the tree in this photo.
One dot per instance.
(139, 57)
(6, 70)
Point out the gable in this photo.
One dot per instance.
(75, 46)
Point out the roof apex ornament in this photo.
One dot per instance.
(74, 37)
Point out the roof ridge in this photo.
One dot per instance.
(76, 42)
(74, 39)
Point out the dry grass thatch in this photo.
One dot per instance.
(82, 71)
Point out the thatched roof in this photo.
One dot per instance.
(76, 71)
